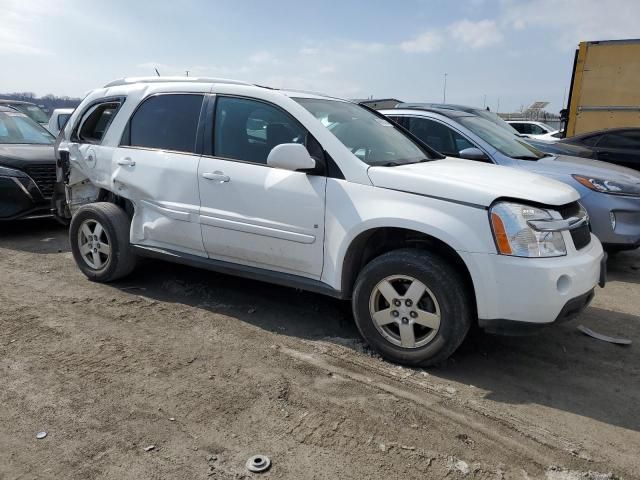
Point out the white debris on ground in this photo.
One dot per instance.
(558, 473)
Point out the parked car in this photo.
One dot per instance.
(27, 167)
(537, 130)
(559, 148)
(31, 110)
(324, 195)
(611, 194)
(58, 119)
(617, 145)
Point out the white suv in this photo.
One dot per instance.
(321, 194)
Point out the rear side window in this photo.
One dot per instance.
(248, 130)
(519, 127)
(166, 122)
(591, 141)
(96, 122)
(537, 130)
(438, 136)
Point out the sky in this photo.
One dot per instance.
(501, 53)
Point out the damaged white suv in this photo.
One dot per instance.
(321, 194)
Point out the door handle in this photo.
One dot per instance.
(126, 162)
(216, 177)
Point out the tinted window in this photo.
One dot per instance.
(622, 140)
(62, 120)
(591, 141)
(438, 136)
(537, 130)
(96, 121)
(248, 130)
(166, 122)
(520, 127)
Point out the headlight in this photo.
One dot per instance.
(10, 172)
(614, 187)
(513, 235)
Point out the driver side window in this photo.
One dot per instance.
(438, 136)
(247, 130)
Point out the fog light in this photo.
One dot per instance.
(612, 217)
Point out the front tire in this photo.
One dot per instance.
(99, 237)
(412, 307)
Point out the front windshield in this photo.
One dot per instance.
(16, 128)
(32, 111)
(500, 139)
(495, 118)
(372, 139)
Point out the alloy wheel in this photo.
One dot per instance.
(94, 244)
(405, 311)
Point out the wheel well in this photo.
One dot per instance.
(373, 243)
(123, 203)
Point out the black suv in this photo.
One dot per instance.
(27, 166)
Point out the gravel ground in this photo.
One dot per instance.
(210, 369)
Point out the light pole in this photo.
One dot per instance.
(444, 91)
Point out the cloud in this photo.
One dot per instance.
(309, 51)
(424, 43)
(576, 20)
(367, 47)
(262, 57)
(476, 35)
(20, 27)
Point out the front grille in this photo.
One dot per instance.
(44, 174)
(570, 210)
(581, 236)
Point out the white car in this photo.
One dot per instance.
(321, 194)
(537, 130)
(58, 119)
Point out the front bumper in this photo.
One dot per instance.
(21, 198)
(627, 218)
(533, 290)
(571, 309)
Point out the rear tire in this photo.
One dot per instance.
(99, 237)
(412, 307)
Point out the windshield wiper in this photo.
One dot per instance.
(397, 164)
(526, 157)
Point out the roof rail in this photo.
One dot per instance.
(132, 80)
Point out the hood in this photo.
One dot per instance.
(563, 164)
(472, 182)
(20, 155)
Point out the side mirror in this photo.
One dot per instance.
(290, 156)
(473, 154)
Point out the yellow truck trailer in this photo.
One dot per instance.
(605, 87)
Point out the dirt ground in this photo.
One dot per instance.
(211, 369)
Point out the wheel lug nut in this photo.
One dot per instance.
(413, 314)
(408, 303)
(405, 320)
(396, 302)
(394, 313)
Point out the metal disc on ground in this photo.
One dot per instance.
(258, 463)
(41, 435)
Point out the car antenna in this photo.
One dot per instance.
(157, 72)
